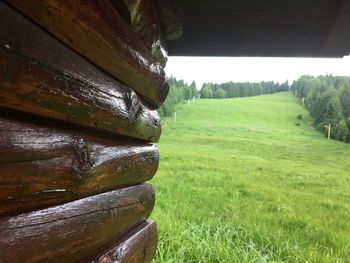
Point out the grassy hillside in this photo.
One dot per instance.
(239, 181)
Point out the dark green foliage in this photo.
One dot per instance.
(179, 91)
(300, 117)
(342, 131)
(328, 101)
(344, 96)
(240, 89)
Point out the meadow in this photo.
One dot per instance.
(244, 180)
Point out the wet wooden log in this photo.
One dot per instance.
(125, 113)
(137, 246)
(76, 230)
(41, 167)
(144, 21)
(95, 30)
(30, 87)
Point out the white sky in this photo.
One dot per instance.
(224, 69)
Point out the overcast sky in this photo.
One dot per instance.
(219, 69)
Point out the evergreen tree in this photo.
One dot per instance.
(344, 96)
(341, 131)
(328, 101)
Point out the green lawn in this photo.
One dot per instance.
(239, 181)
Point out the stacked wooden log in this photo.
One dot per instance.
(80, 82)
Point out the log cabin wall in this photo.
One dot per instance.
(80, 82)
(79, 85)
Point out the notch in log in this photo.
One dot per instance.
(95, 30)
(75, 230)
(42, 166)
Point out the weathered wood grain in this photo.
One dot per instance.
(144, 21)
(138, 246)
(122, 10)
(33, 42)
(95, 30)
(41, 167)
(76, 230)
(30, 87)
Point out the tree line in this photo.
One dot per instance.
(240, 89)
(179, 91)
(327, 98)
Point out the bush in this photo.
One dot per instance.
(300, 117)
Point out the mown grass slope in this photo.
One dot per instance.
(239, 181)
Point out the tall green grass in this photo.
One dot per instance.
(239, 181)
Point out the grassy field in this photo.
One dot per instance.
(239, 181)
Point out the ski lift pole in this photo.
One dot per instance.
(328, 127)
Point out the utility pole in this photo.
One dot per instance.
(303, 102)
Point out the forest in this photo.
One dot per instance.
(180, 91)
(240, 89)
(327, 98)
